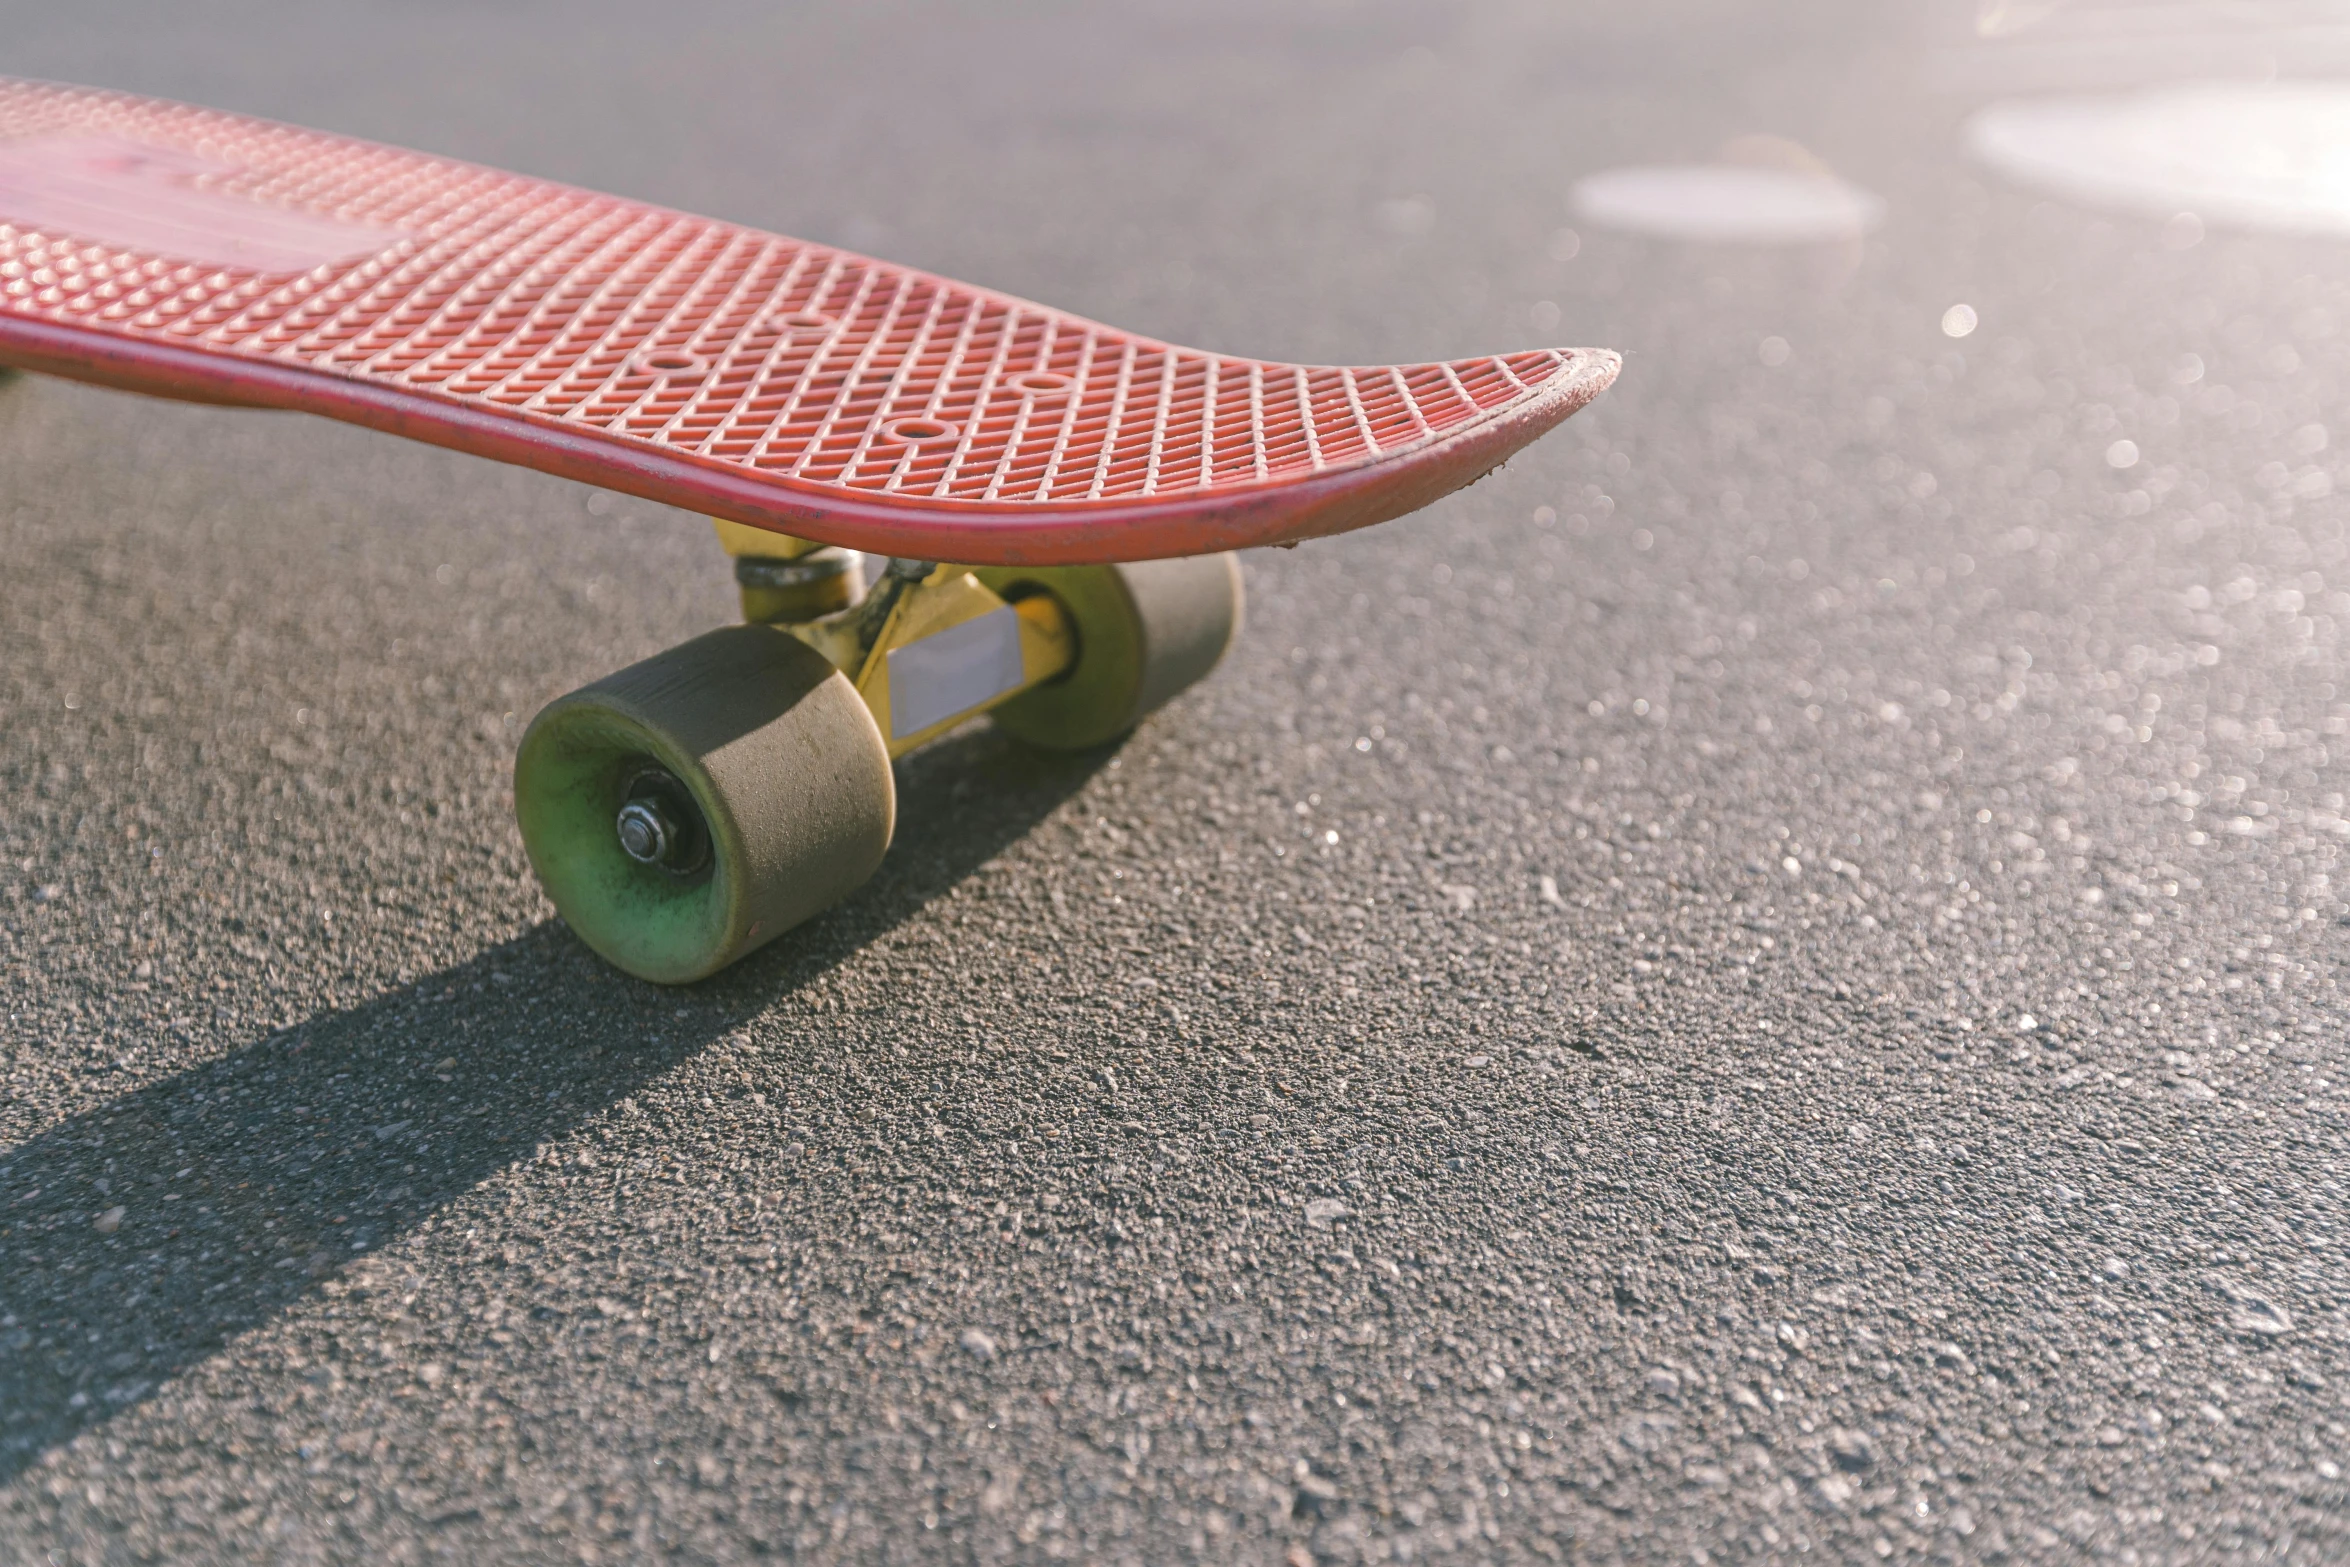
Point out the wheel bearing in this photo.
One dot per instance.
(659, 825)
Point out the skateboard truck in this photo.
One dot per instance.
(929, 647)
(815, 582)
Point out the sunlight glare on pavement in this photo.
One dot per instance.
(2263, 157)
(1725, 203)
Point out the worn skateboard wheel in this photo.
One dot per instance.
(1145, 631)
(693, 807)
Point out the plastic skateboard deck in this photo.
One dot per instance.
(196, 254)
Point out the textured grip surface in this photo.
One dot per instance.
(201, 254)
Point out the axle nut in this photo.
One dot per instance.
(646, 832)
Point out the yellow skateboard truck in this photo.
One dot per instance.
(931, 648)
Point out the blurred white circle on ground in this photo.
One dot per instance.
(1959, 320)
(2273, 156)
(1728, 203)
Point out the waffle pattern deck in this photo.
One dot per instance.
(777, 382)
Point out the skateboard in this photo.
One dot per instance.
(1055, 501)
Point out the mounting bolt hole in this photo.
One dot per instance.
(1043, 383)
(799, 321)
(921, 432)
(673, 364)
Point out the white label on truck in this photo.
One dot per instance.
(953, 671)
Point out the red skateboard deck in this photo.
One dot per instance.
(213, 257)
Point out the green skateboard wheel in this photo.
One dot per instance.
(1145, 632)
(695, 806)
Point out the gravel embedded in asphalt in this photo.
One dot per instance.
(1766, 980)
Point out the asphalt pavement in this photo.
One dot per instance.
(1766, 982)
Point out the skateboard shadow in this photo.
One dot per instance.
(251, 1181)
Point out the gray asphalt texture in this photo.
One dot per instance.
(1765, 982)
